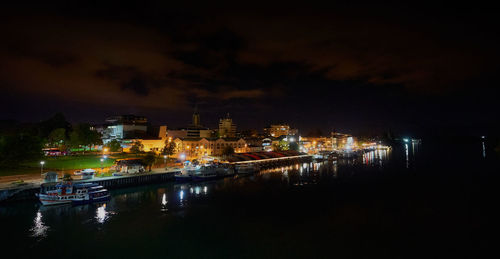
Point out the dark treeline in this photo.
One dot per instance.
(21, 142)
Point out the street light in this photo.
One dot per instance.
(102, 165)
(41, 167)
(165, 159)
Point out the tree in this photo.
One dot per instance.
(227, 151)
(74, 140)
(87, 136)
(149, 159)
(169, 148)
(293, 146)
(57, 137)
(57, 121)
(114, 145)
(18, 148)
(137, 147)
(282, 145)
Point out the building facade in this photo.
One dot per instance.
(200, 147)
(227, 129)
(277, 130)
(124, 127)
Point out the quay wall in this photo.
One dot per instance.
(27, 192)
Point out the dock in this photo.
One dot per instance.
(27, 191)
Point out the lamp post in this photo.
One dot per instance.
(102, 165)
(41, 168)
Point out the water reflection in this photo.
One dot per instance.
(484, 149)
(407, 158)
(374, 157)
(101, 214)
(164, 202)
(191, 190)
(39, 229)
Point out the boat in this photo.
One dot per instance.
(225, 170)
(247, 168)
(207, 172)
(183, 176)
(187, 172)
(90, 193)
(87, 174)
(69, 193)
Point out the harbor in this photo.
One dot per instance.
(28, 191)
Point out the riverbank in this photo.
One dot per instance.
(22, 190)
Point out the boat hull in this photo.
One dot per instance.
(93, 200)
(183, 178)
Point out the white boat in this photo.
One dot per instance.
(187, 172)
(247, 168)
(66, 192)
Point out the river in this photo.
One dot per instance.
(418, 200)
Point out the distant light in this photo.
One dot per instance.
(165, 156)
(102, 159)
(182, 156)
(483, 137)
(406, 140)
(42, 162)
(105, 157)
(292, 139)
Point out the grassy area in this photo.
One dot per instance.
(77, 162)
(68, 163)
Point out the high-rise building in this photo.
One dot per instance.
(227, 129)
(277, 130)
(124, 127)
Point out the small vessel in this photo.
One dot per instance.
(87, 174)
(207, 172)
(89, 193)
(225, 170)
(67, 192)
(187, 172)
(247, 168)
(183, 176)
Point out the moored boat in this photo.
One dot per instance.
(67, 192)
(246, 168)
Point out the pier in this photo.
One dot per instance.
(27, 191)
(158, 175)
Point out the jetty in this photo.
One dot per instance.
(27, 190)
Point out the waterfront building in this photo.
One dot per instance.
(154, 143)
(342, 141)
(313, 145)
(124, 127)
(227, 129)
(277, 130)
(193, 130)
(202, 147)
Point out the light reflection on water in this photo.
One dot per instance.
(102, 214)
(174, 198)
(39, 229)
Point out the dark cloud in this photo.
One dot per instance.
(311, 66)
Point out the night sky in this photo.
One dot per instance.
(417, 69)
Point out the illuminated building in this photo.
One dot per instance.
(124, 127)
(227, 129)
(277, 130)
(200, 147)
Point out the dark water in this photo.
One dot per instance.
(429, 200)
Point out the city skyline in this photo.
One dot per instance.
(364, 68)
